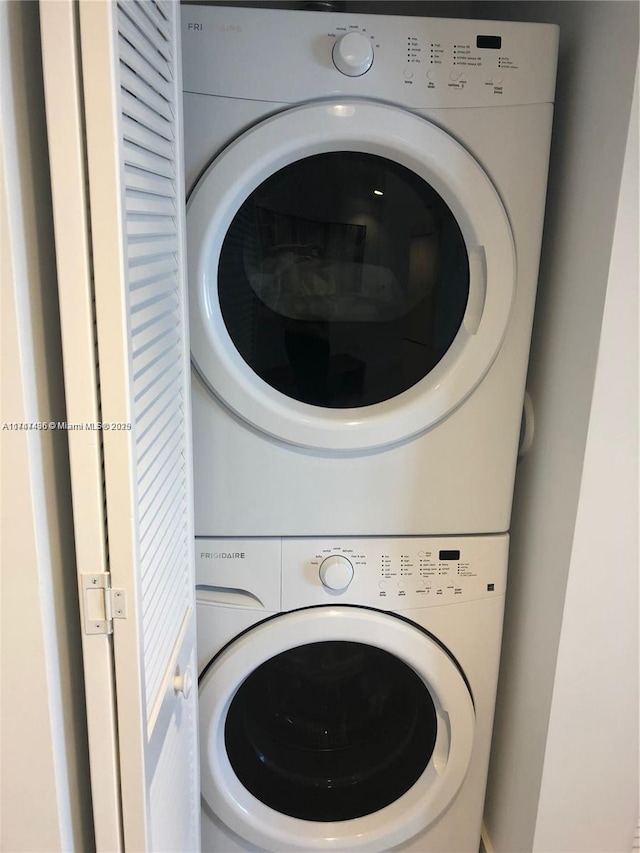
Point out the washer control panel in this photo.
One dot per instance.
(394, 574)
(397, 574)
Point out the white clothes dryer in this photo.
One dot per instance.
(347, 691)
(364, 224)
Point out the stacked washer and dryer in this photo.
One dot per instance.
(366, 199)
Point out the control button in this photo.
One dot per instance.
(431, 75)
(453, 75)
(382, 584)
(336, 573)
(498, 79)
(408, 75)
(353, 54)
(489, 79)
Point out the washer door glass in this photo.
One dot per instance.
(331, 731)
(343, 279)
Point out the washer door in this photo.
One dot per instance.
(351, 274)
(314, 737)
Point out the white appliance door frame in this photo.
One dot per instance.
(134, 524)
(423, 148)
(421, 806)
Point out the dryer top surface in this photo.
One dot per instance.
(285, 56)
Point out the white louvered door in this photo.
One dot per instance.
(132, 102)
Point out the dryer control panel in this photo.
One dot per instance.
(400, 573)
(286, 56)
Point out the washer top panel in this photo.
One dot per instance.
(291, 56)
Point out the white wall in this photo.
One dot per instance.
(588, 793)
(599, 44)
(44, 783)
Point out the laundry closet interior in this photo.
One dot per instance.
(327, 315)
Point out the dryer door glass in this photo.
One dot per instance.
(331, 731)
(343, 279)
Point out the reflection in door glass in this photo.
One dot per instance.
(343, 279)
(331, 731)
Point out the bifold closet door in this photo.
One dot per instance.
(126, 352)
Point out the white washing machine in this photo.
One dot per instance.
(364, 223)
(347, 691)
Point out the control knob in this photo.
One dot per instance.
(336, 573)
(353, 54)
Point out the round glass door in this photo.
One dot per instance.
(330, 731)
(351, 275)
(343, 279)
(315, 736)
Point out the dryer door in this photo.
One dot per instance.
(316, 736)
(352, 272)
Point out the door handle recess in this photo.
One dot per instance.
(443, 742)
(477, 289)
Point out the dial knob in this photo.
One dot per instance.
(336, 573)
(353, 54)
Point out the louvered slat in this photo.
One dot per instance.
(144, 181)
(163, 7)
(138, 40)
(151, 203)
(168, 455)
(156, 575)
(148, 31)
(151, 357)
(139, 135)
(149, 15)
(149, 311)
(150, 246)
(156, 13)
(144, 159)
(158, 538)
(157, 271)
(155, 391)
(144, 115)
(152, 333)
(161, 479)
(161, 362)
(160, 476)
(140, 225)
(138, 88)
(151, 420)
(130, 58)
(144, 203)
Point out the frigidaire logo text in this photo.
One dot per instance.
(222, 555)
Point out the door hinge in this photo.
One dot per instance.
(101, 603)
